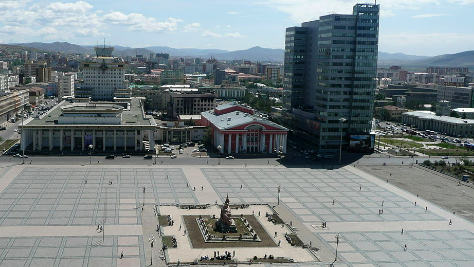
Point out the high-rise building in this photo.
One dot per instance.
(330, 74)
(103, 76)
(66, 84)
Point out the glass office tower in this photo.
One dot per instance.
(330, 72)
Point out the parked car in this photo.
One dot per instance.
(110, 157)
(173, 156)
(126, 156)
(445, 157)
(229, 157)
(328, 156)
(147, 157)
(181, 151)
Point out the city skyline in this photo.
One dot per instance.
(426, 27)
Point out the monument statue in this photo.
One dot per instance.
(226, 224)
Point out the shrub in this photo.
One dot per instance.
(427, 163)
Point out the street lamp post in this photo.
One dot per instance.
(90, 153)
(279, 189)
(22, 134)
(337, 245)
(341, 120)
(144, 189)
(152, 240)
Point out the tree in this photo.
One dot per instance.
(379, 96)
(454, 114)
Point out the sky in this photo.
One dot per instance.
(414, 27)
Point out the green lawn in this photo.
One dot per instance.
(7, 144)
(401, 143)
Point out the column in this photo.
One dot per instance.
(221, 142)
(285, 137)
(277, 142)
(151, 138)
(40, 139)
(72, 140)
(34, 139)
(237, 143)
(245, 142)
(103, 140)
(115, 140)
(83, 141)
(61, 141)
(93, 139)
(229, 143)
(124, 140)
(270, 147)
(262, 142)
(50, 139)
(140, 140)
(135, 140)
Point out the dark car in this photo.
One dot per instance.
(110, 157)
(148, 157)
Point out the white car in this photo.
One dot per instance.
(195, 150)
(181, 151)
(173, 156)
(229, 157)
(445, 157)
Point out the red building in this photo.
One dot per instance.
(236, 129)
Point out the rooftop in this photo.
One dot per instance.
(428, 115)
(233, 119)
(133, 116)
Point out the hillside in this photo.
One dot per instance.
(62, 47)
(12, 49)
(463, 59)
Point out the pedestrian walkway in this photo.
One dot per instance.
(149, 226)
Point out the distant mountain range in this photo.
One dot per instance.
(463, 59)
(255, 53)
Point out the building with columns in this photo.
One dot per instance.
(107, 126)
(236, 129)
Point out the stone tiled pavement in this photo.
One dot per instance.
(49, 216)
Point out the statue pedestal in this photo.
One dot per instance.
(225, 228)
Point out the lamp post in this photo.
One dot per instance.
(341, 120)
(279, 189)
(23, 142)
(144, 189)
(90, 153)
(219, 147)
(152, 240)
(337, 245)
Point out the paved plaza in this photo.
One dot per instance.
(49, 214)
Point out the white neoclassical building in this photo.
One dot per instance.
(111, 127)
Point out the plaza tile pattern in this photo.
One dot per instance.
(81, 196)
(424, 248)
(70, 252)
(309, 194)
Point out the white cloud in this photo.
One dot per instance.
(58, 19)
(210, 45)
(235, 35)
(306, 10)
(228, 26)
(422, 16)
(74, 8)
(13, 4)
(208, 33)
(233, 13)
(138, 22)
(462, 2)
(193, 27)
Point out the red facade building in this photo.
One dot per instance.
(236, 129)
